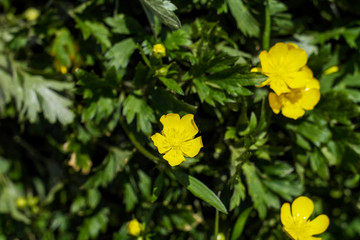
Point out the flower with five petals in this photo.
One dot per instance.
(296, 221)
(284, 65)
(177, 140)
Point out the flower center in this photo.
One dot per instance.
(294, 95)
(299, 229)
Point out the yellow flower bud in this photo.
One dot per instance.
(31, 14)
(331, 70)
(159, 50)
(134, 228)
(21, 202)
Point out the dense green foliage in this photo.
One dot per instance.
(81, 93)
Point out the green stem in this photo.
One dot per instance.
(267, 29)
(216, 228)
(137, 144)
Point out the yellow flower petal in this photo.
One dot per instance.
(295, 59)
(174, 157)
(285, 215)
(314, 83)
(309, 99)
(293, 111)
(319, 224)
(255, 69)
(170, 121)
(266, 65)
(192, 147)
(302, 208)
(189, 127)
(278, 85)
(298, 79)
(161, 143)
(277, 54)
(274, 102)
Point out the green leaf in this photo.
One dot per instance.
(238, 194)
(93, 225)
(172, 85)
(164, 102)
(240, 224)
(144, 184)
(39, 95)
(164, 10)
(119, 54)
(315, 133)
(123, 24)
(134, 105)
(285, 188)
(95, 29)
(130, 198)
(318, 164)
(158, 185)
(63, 47)
(200, 190)
(114, 162)
(176, 39)
(210, 95)
(244, 20)
(336, 105)
(256, 188)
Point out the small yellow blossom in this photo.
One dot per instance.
(331, 70)
(134, 228)
(31, 14)
(21, 202)
(296, 223)
(159, 50)
(284, 65)
(294, 103)
(177, 138)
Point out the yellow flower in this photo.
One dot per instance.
(284, 65)
(159, 50)
(295, 221)
(294, 103)
(134, 228)
(177, 138)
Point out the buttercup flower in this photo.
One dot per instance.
(159, 50)
(177, 138)
(284, 65)
(295, 220)
(134, 228)
(294, 103)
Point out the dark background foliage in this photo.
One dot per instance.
(81, 93)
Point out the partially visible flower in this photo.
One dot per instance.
(159, 50)
(59, 67)
(134, 228)
(31, 14)
(331, 70)
(177, 138)
(294, 103)
(296, 223)
(21, 202)
(284, 65)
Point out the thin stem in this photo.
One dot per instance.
(137, 144)
(216, 228)
(267, 29)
